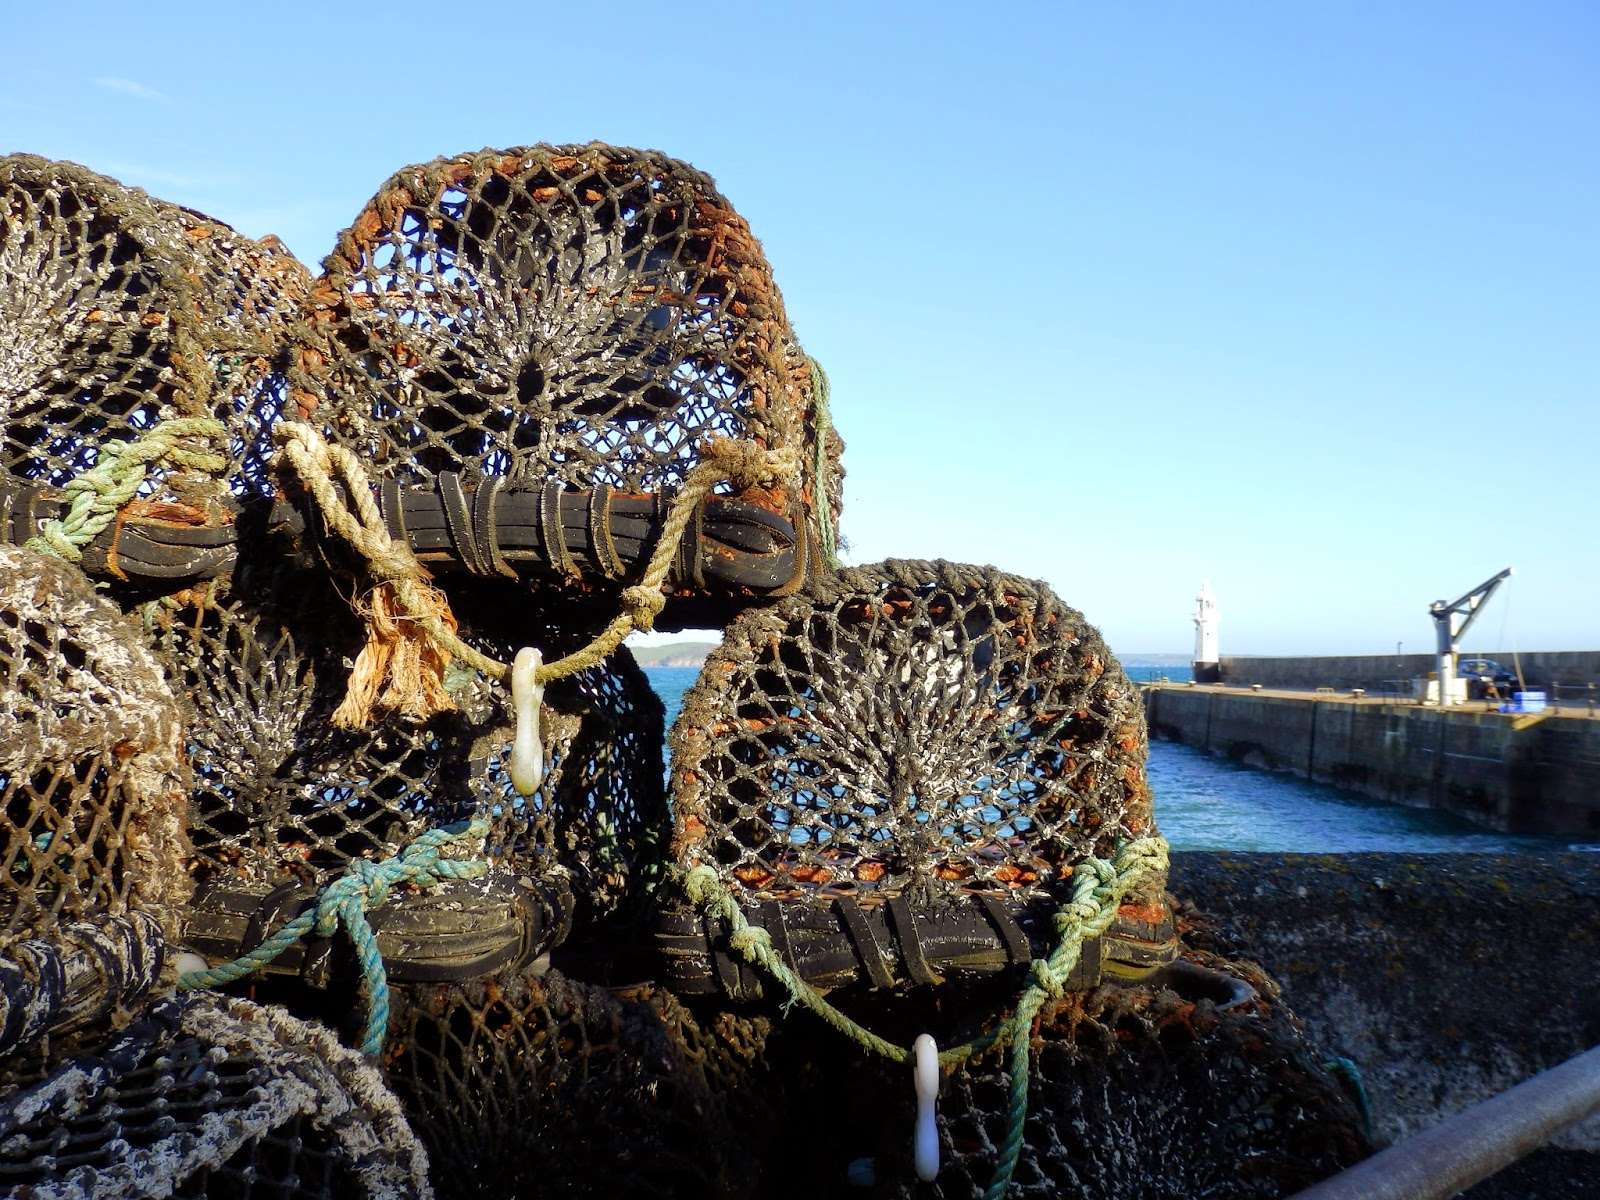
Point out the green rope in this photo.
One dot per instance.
(1097, 889)
(120, 470)
(1347, 1073)
(821, 392)
(346, 901)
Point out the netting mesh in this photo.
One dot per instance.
(1135, 1091)
(1147, 1093)
(586, 324)
(582, 314)
(117, 312)
(91, 758)
(538, 1085)
(919, 728)
(283, 796)
(212, 1098)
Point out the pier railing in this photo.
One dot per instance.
(1472, 1145)
(1569, 696)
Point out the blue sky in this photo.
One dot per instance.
(1300, 298)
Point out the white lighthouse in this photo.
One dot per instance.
(1207, 663)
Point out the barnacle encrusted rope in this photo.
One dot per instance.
(346, 901)
(394, 671)
(1098, 887)
(120, 470)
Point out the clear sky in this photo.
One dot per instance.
(1301, 298)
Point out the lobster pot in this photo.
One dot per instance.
(91, 757)
(536, 1085)
(586, 316)
(119, 312)
(209, 1097)
(284, 800)
(93, 784)
(896, 773)
(1155, 1093)
(1143, 1090)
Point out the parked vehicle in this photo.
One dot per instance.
(1481, 672)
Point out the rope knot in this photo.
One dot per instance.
(410, 628)
(644, 604)
(120, 470)
(364, 885)
(749, 464)
(1049, 981)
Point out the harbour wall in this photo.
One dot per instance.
(1515, 772)
(1445, 977)
(1572, 670)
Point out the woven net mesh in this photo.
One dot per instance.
(524, 1084)
(119, 311)
(1148, 1093)
(918, 728)
(91, 758)
(586, 314)
(1134, 1091)
(214, 1098)
(281, 795)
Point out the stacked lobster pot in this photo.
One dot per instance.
(542, 352)
(137, 380)
(896, 774)
(109, 1087)
(912, 798)
(569, 377)
(376, 539)
(95, 791)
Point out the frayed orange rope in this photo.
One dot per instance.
(401, 667)
(411, 632)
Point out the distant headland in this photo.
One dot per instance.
(673, 654)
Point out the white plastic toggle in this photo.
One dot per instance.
(925, 1149)
(527, 748)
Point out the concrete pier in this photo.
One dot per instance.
(1570, 674)
(1446, 978)
(1514, 772)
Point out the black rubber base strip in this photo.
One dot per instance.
(892, 943)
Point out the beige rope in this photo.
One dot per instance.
(397, 671)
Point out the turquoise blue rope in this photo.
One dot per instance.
(1349, 1074)
(346, 901)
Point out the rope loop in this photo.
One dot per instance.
(1098, 887)
(390, 676)
(345, 903)
(121, 468)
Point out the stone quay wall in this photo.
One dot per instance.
(1570, 670)
(1515, 772)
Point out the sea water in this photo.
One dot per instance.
(1205, 803)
